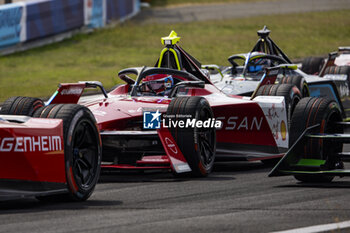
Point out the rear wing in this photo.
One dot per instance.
(70, 93)
(330, 62)
(344, 49)
(331, 58)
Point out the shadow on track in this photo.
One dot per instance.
(240, 167)
(333, 184)
(30, 205)
(153, 176)
(222, 171)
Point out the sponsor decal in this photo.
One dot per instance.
(170, 145)
(283, 130)
(95, 13)
(242, 123)
(274, 109)
(272, 113)
(341, 77)
(72, 91)
(30, 144)
(12, 23)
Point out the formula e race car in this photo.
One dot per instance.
(247, 70)
(172, 117)
(47, 158)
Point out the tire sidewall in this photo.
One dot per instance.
(80, 192)
(188, 138)
(205, 169)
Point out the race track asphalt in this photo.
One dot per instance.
(237, 197)
(189, 13)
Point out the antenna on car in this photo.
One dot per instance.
(266, 45)
(170, 56)
(171, 39)
(263, 33)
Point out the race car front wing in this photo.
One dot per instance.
(295, 163)
(142, 150)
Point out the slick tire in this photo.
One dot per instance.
(196, 144)
(338, 70)
(82, 149)
(299, 82)
(311, 111)
(290, 93)
(312, 65)
(19, 105)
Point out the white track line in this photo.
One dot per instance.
(318, 228)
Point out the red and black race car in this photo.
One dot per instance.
(172, 117)
(40, 157)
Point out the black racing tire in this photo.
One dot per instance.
(82, 149)
(311, 111)
(290, 93)
(338, 70)
(299, 82)
(312, 65)
(19, 105)
(198, 145)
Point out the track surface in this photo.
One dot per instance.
(236, 10)
(237, 197)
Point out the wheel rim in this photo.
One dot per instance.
(85, 154)
(206, 139)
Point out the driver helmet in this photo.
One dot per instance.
(258, 64)
(168, 82)
(161, 85)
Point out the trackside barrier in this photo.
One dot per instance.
(12, 24)
(32, 20)
(121, 9)
(50, 17)
(95, 13)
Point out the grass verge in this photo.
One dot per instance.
(100, 55)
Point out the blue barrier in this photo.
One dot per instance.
(26, 21)
(119, 9)
(95, 13)
(49, 17)
(12, 24)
